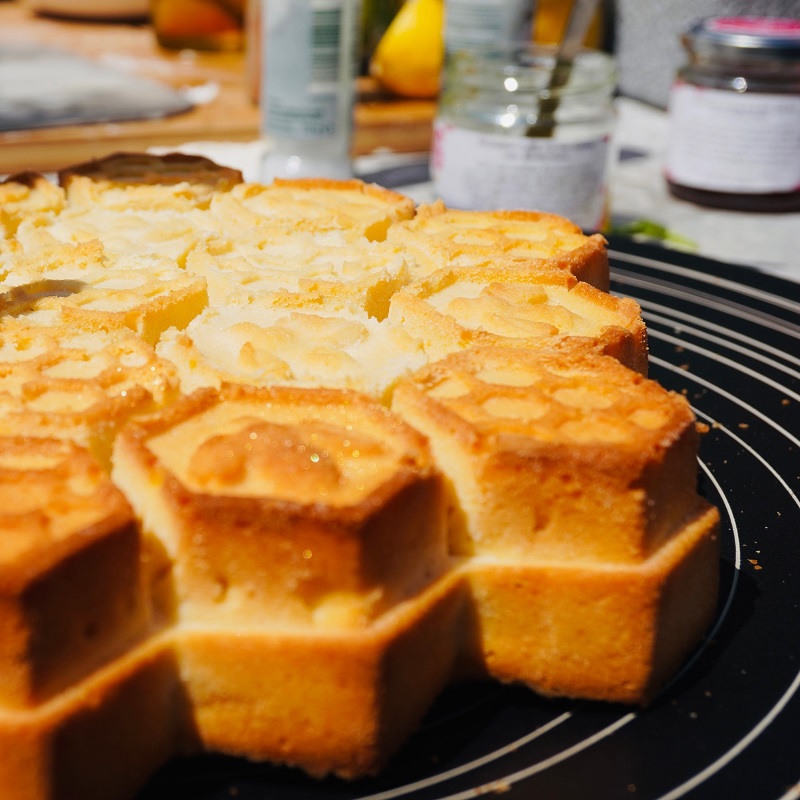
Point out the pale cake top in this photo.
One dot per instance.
(316, 205)
(27, 195)
(129, 236)
(453, 309)
(318, 264)
(72, 264)
(521, 234)
(438, 236)
(279, 346)
(81, 284)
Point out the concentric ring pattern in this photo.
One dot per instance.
(728, 725)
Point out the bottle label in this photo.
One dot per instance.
(485, 171)
(483, 22)
(309, 67)
(730, 142)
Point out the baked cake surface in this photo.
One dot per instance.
(270, 342)
(57, 381)
(537, 443)
(280, 462)
(304, 506)
(311, 569)
(459, 308)
(26, 196)
(525, 240)
(69, 569)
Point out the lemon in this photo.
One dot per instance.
(408, 58)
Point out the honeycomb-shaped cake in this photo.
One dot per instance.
(573, 500)
(278, 463)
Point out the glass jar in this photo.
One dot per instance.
(515, 130)
(734, 112)
(470, 24)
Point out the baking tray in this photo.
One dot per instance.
(728, 725)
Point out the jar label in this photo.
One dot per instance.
(729, 142)
(484, 171)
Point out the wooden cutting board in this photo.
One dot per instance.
(224, 109)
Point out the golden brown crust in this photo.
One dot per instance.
(356, 693)
(102, 737)
(70, 591)
(534, 443)
(58, 382)
(134, 169)
(315, 507)
(541, 622)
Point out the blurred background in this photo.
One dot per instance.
(83, 78)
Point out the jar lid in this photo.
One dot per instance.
(751, 36)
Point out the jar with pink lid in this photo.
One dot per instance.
(734, 114)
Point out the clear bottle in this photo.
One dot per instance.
(512, 133)
(309, 60)
(734, 113)
(470, 24)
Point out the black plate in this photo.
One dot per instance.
(729, 724)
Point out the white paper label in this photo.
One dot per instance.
(484, 171)
(730, 142)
